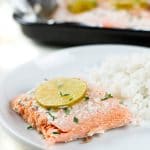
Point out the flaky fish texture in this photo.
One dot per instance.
(85, 118)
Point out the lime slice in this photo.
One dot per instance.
(60, 92)
(78, 6)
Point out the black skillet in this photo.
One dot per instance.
(63, 33)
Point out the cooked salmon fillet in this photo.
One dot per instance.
(85, 118)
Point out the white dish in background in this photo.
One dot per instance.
(69, 62)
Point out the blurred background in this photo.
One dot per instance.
(15, 49)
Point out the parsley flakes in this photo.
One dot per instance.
(55, 133)
(107, 96)
(66, 110)
(61, 94)
(75, 120)
(53, 117)
(71, 98)
(29, 127)
(86, 98)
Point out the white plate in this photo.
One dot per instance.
(69, 62)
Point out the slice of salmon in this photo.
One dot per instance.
(83, 119)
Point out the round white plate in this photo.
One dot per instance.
(69, 62)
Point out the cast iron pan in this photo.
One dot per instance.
(64, 33)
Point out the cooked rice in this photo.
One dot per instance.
(127, 78)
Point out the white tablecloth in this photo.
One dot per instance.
(15, 49)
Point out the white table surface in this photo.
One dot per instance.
(15, 49)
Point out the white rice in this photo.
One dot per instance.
(127, 78)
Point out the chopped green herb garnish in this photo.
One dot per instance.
(61, 94)
(107, 96)
(53, 117)
(66, 111)
(86, 98)
(29, 127)
(55, 132)
(66, 94)
(70, 98)
(48, 109)
(75, 120)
